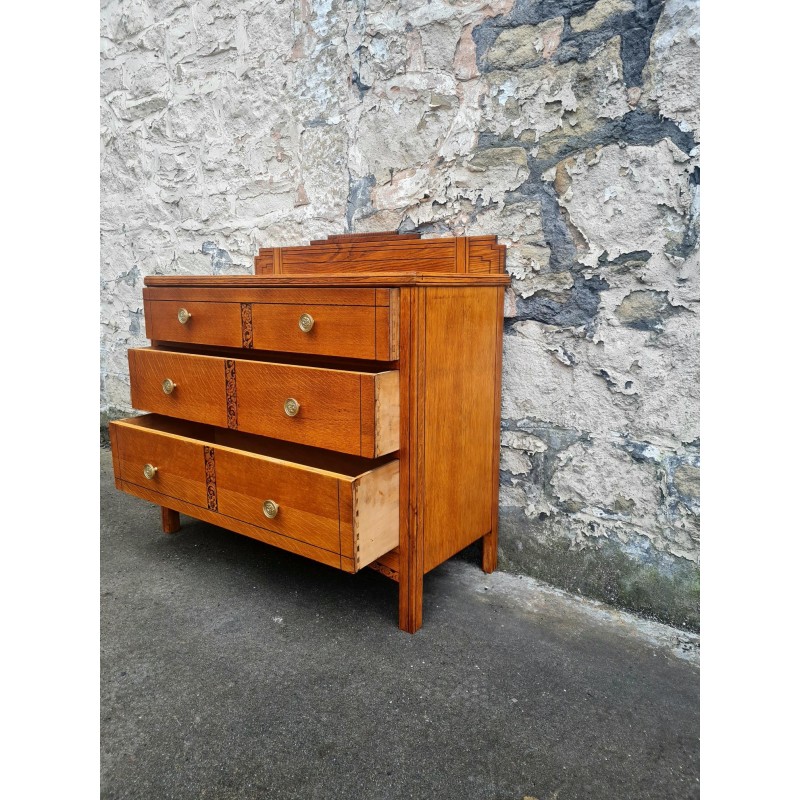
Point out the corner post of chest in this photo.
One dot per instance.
(490, 539)
(411, 567)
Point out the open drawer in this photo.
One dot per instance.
(354, 412)
(338, 509)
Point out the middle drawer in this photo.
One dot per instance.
(343, 410)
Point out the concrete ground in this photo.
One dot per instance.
(231, 669)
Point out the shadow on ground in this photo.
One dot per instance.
(231, 669)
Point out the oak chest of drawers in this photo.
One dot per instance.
(342, 403)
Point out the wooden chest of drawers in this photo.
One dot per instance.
(343, 403)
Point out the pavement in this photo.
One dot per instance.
(231, 669)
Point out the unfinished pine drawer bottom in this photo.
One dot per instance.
(340, 510)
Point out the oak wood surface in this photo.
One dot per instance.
(404, 357)
(297, 546)
(386, 412)
(178, 463)
(410, 549)
(371, 366)
(314, 458)
(314, 506)
(229, 289)
(345, 331)
(474, 254)
(212, 323)
(250, 396)
(459, 413)
(200, 385)
(376, 516)
(308, 502)
(170, 520)
(489, 552)
(341, 279)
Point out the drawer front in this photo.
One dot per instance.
(346, 323)
(208, 323)
(306, 502)
(350, 412)
(178, 464)
(352, 514)
(198, 391)
(329, 401)
(347, 331)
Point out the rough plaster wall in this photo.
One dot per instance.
(569, 128)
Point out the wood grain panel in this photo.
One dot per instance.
(210, 323)
(386, 412)
(253, 531)
(343, 331)
(339, 464)
(489, 554)
(340, 279)
(330, 405)
(340, 513)
(241, 289)
(388, 318)
(376, 501)
(459, 411)
(200, 385)
(410, 549)
(179, 464)
(249, 396)
(386, 253)
(308, 502)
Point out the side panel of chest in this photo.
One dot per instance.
(458, 413)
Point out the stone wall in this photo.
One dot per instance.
(569, 128)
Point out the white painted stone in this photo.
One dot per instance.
(672, 73)
(624, 199)
(557, 100)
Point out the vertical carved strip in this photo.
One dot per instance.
(211, 478)
(247, 325)
(230, 393)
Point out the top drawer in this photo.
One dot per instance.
(350, 323)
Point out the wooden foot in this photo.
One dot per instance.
(490, 551)
(170, 520)
(409, 578)
(410, 603)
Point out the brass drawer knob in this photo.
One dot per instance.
(270, 508)
(150, 471)
(291, 407)
(306, 322)
(169, 386)
(183, 316)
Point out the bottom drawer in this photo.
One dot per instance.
(339, 509)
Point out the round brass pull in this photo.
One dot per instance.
(150, 471)
(183, 316)
(169, 386)
(291, 407)
(306, 322)
(270, 508)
